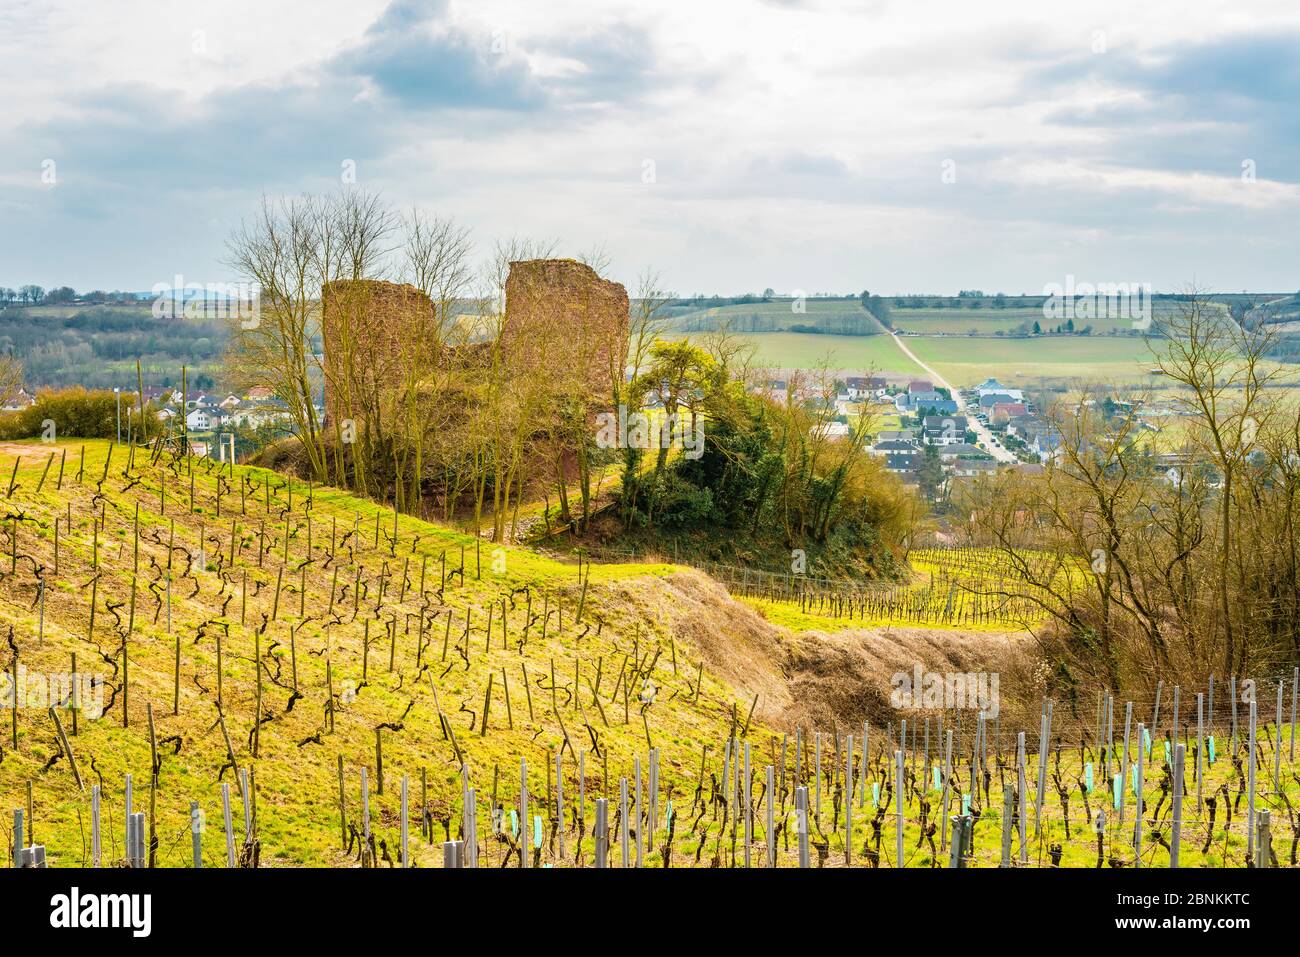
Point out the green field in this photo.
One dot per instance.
(987, 322)
(800, 350)
(211, 611)
(965, 361)
(838, 316)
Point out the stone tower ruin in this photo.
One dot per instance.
(563, 320)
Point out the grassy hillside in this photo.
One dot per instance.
(97, 346)
(831, 316)
(794, 350)
(1099, 359)
(987, 322)
(964, 360)
(395, 683)
(307, 623)
(966, 343)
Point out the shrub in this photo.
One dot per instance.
(75, 412)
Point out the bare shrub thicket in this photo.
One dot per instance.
(1153, 557)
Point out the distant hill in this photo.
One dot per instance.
(96, 346)
(843, 317)
(1282, 312)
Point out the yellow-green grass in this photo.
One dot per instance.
(949, 585)
(296, 775)
(750, 317)
(986, 322)
(965, 361)
(341, 677)
(801, 350)
(884, 418)
(788, 615)
(1027, 362)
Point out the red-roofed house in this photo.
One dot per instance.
(1006, 411)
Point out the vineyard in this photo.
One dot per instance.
(949, 587)
(214, 665)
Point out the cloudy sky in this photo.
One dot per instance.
(730, 144)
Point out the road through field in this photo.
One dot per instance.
(979, 428)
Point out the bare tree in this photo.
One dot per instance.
(512, 406)
(1221, 365)
(597, 257)
(292, 249)
(11, 378)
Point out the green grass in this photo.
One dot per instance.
(1023, 362)
(986, 322)
(833, 315)
(964, 360)
(299, 745)
(797, 350)
(322, 659)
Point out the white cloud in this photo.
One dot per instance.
(793, 144)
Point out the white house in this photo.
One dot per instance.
(258, 415)
(950, 453)
(944, 429)
(893, 447)
(861, 387)
(994, 387)
(896, 435)
(203, 418)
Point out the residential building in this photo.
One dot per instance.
(948, 453)
(989, 399)
(1046, 444)
(974, 465)
(943, 429)
(994, 387)
(834, 430)
(862, 387)
(901, 463)
(917, 403)
(1024, 425)
(1004, 412)
(893, 447)
(202, 418)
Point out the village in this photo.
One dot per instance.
(213, 422)
(916, 426)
